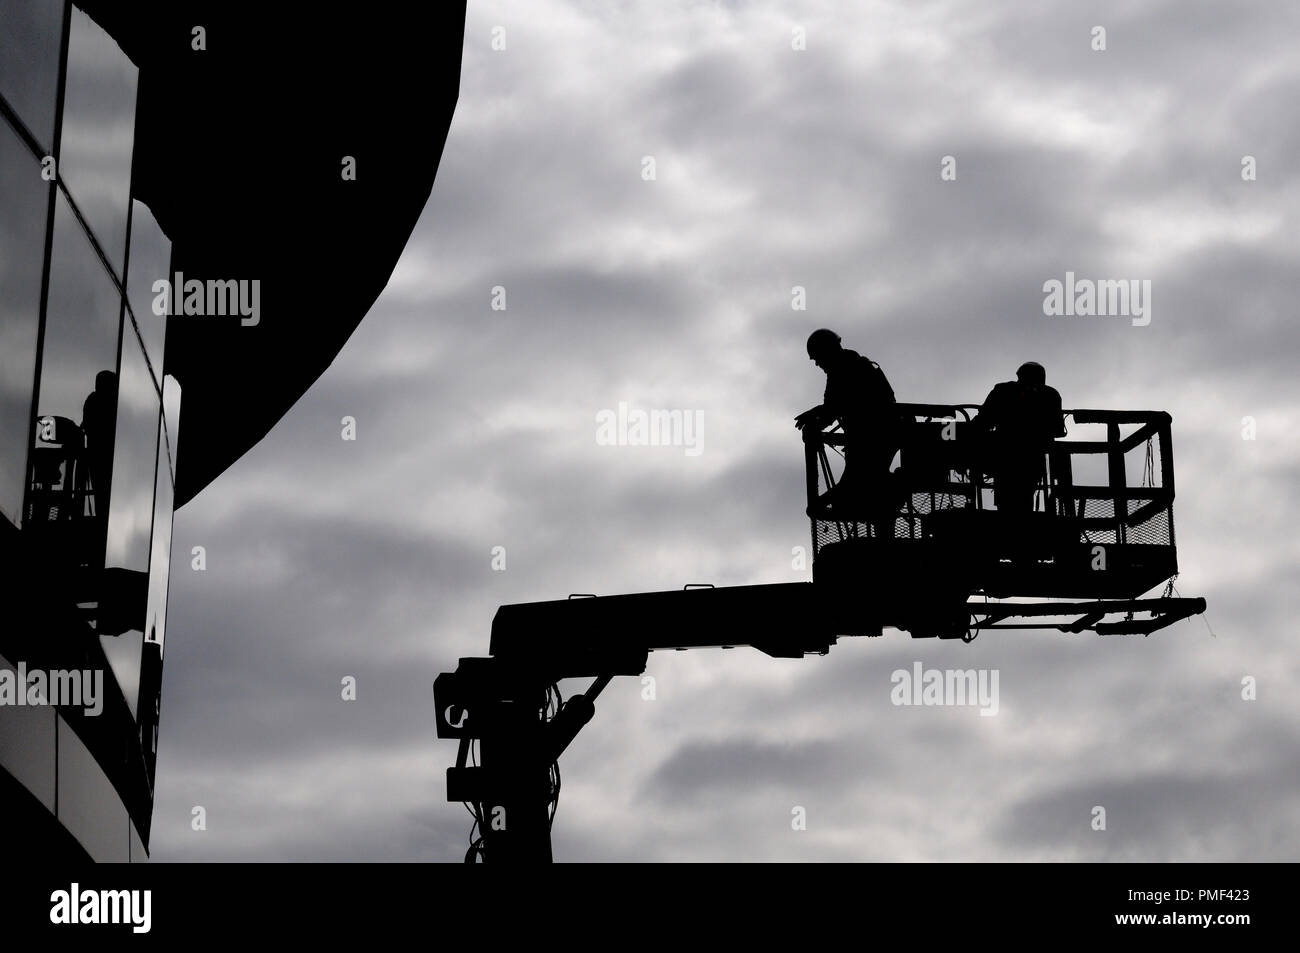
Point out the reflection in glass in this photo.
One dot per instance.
(31, 32)
(164, 494)
(71, 461)
(171, 420)
(150, 259)
(27, 745)
(99, 133)
(138, 854)
(124, 592)
(123, 653)
(135, 449)
(24, 205)
(88, 804)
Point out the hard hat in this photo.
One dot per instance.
(822, 340)
(1031, 372)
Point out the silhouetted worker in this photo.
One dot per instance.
(99, 424)
(858, 395)
(1021, 418)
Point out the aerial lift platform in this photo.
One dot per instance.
(948, 565)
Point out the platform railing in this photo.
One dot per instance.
(943, 465)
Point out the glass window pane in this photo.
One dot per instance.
(138, 853)
(164, 494)
(171, 420)
(24, 205)
(150, 261)
(31, 32)
(123, 654)
(135, 449)
(99, 133)
(72, 459)
(124, 595)
(88, 804)
(27, 743)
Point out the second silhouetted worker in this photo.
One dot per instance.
(1020, 419)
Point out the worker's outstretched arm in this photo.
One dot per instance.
(816, 417)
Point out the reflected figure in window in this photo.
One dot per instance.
(99, 425)
(1017, 424)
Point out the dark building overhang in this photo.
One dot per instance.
(239, 154)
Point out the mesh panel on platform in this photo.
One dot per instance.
(1094, 508)
(1153, 531)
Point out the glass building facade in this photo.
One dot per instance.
(88, 434)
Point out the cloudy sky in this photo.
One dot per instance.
(774, 167)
